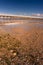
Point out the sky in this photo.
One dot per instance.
(21, 7)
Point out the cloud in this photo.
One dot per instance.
(38, 14)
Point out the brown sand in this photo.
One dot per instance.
(21, 47)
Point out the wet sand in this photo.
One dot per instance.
(21, 44)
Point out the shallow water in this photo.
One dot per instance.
(26, 25)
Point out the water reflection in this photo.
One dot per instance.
(25, 25)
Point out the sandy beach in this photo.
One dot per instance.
(21, 44)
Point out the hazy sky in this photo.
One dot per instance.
(26, 7)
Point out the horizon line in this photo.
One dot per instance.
(30, 16)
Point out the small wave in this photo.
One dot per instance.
(11, 23)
